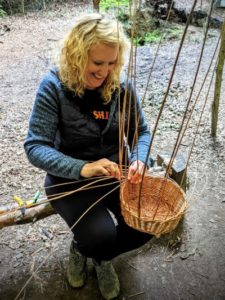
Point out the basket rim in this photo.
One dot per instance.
(149, 175)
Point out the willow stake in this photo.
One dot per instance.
(219, 74)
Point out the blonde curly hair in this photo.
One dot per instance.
(91, 29)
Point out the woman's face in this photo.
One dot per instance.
(101, 61)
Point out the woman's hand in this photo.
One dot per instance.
(101, 167)
(135, 171)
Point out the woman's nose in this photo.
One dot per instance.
(105, 70)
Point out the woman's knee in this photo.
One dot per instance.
(97, 236)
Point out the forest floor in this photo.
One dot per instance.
(187, 264)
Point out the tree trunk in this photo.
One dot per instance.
(22, 7)
(96, 4)
(219, 74)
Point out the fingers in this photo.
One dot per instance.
(100, 167)
(131, 172)
(106, 167)
(113, 169)
(135, 172)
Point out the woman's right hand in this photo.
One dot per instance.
(101, 167)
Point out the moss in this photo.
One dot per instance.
(106, 5)
(144, 28)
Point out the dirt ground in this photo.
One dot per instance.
(187, 264)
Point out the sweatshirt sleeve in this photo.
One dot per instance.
(139, 136)
(43, 126)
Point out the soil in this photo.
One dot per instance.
(186, 264)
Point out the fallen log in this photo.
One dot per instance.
(160, 10)
(14, 215)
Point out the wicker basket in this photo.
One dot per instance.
(161, 206)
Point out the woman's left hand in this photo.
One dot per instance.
(135, 171)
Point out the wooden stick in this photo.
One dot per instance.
(219, 74)
(167, 91)
(178, 140)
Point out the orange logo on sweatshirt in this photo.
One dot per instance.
(103, 115)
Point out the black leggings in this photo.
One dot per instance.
(97, 235)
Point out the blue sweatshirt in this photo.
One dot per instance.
(63, 136)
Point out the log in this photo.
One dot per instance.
(13, 215)
(161, 9)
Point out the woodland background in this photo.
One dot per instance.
(188, 264)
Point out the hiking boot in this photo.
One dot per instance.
(76, 269)
(108, 281)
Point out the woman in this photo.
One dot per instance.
(74, 136)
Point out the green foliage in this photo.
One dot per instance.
(144, 28)
(2, 12)
(155, 36)
(106, 5)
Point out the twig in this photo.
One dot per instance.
(135, 295)
(34, 273)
